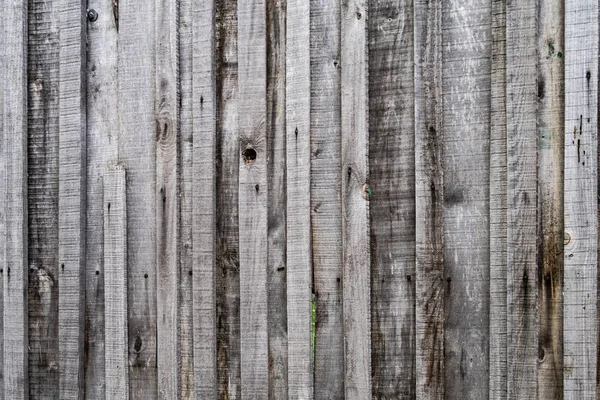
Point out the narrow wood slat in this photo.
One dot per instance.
(204, 198)
(137, 154)
(429, 200)
(355, 199)
(253, 197)
(521, 108)
(42, 193)
(13, 90)
(550, 122)
(276, 199)
(102, 149)
(581, 199)
(498, 204)
(115, 283)
(392, 206)
(3, 208)
(466, 155)
(299, 266)
(166, 53)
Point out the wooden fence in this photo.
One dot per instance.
(252, 199)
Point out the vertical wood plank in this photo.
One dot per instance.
(204, 195)
(253, 197)
(355, 199)
(166, 195)
(466, 151)
(14, 98)
(392, 206)
(581, 199)
(299, 266)
(42, 194)
(521, 108)
(3, 208)
(102, 149)
(228, 167)
(186, 170)
(71, 198)
(276, 199)
(115, 282)
(550, 122)
(498, 204)
(429, 192)
(137, 154)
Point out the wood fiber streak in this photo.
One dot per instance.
(392, 206)
(3, 192)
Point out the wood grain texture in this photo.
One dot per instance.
(42, 194)
(325, 197)
(581, 200)
(521, 108)
(429, 191)
(137, 154)
(3, 208)
(187, 387)
(228, 166)
(166, 108)
(466, 152)
(355, 199)
(498, 205)
(392, 206)
(299, 266)
(253, 198)
(14, 123)
(550, 122)
(204, 195)
(102, 149)
(115, 283)
(276, 199)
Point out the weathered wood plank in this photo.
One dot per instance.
(550, 122)
(581, 199)
(521, 108)
(228, 166)
(186, 316)
(355, 199)
(392, 206)
(498, 204)
(253, 197)
(166, 53)
(137, 153)
(429, 192)
(325, 196)
(42, 194)
(3, 208)
(299, 265)
(115, 282)
(276, 200)
(466, 154)
(102, 149)
(14, 98)
(204, 195)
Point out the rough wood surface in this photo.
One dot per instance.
(299, 266)
(392, 205)
(498, 204)
(137, 154)
(14, 140)
(522, 274)
(466, 152)
(3, 208)
(325, 196)
(203, 228)
(429, 190)
(253, 198)
(581, 200)
(115, 282)
(102, 149)
(355, 199)
(550, 96)
(42, 194)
